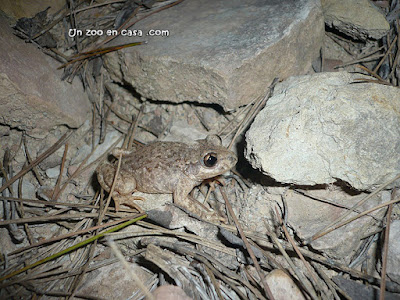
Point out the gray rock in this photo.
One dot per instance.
(109, 140)
(358, 291)
(53, 172)
(20, 9)
(282, 286)
(114, 281)
(320, 128)
(393, 262)
(170, 292)
(356, 18)
(308, 216)
(152, 201)
(32, 95)
(224, 52)
(182, 131)
(28, 189)
(81, 154)
(309, 211)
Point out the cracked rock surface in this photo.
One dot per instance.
(320, 128)
(220, 52)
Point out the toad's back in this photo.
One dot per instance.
(157, 167)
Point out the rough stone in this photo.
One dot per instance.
(28, 190)
(152, 201)
(179, 219)
(32, 93)
(21, 8)
(307, 216)
(181, 131)
(356, 18)
(170, 292)
(320, 128)
(53, 172)
(259, 207)
(114, 282)
(358, 291)
(218, 51)
(7, 245)
(282, 286)
(393, 262)
(308, 213)
(110, 138)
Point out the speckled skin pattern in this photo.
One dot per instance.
(167, 167)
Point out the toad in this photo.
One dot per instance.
(167, 167)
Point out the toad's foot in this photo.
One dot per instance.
(195, 207)
(127, 200)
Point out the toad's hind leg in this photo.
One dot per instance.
(125, 184)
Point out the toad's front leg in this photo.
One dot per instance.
(125, 184)
(182, 198)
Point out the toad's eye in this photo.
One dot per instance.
(210, 159)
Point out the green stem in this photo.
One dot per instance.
(72, 248)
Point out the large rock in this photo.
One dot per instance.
(356, 290)
(224, 52)
(22, 8)
(356, 18)
(309, 211)
(308, 216)
(320, 128)
(32, 95)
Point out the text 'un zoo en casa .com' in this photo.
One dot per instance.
(113, 32)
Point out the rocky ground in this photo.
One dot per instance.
(306, 94)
